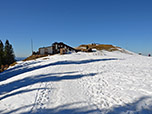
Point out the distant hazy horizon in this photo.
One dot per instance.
(19, 58)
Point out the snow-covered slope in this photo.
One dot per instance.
(83, 83)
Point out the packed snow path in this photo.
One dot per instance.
(78, 83)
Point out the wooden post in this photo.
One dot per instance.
(61, 51)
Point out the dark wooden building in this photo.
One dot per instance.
(58, 46)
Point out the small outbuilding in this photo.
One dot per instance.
(46, 50)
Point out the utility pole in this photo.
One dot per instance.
(32, 46)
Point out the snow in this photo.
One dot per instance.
(78, 83)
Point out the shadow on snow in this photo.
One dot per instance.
(21, 91)
(19, 69)
(16, 70)
(137, 107)
(6, 88)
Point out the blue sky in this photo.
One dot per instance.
(124, 23)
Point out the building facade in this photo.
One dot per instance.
(56, 48)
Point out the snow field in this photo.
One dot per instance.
(87, 83)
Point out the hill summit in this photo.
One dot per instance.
(102, 47)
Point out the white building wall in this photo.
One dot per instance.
(83, 47)
(42, 51)
(50, 50)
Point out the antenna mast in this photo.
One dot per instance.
(32, 46)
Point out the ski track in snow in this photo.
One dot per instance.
(86, 83)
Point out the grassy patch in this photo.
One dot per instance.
(45, 58)
(13, 64)
(33, 57)
(101, 47)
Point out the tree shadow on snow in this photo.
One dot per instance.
(20, 69)
(21, 92)
(63, 109)
(6, 88)
(141, 106)
(137, 107)
(16, 70)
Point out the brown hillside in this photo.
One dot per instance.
(101, 47)
(33, 57)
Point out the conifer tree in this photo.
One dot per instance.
(1, 53)
(8, 53)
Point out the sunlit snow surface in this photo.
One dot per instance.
(79, 83)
